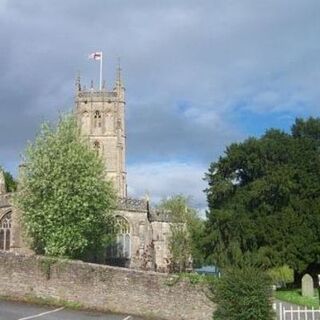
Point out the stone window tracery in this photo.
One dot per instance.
(97, 119)
(5, 232)
(122, 247)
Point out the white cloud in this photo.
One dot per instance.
(221, 57)
(163, 179)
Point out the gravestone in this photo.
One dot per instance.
(307, 286)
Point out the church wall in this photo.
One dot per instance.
(150, 233)
(160, 236)
(149, 240)
(106, 288)
(140, 239)
(18, 241)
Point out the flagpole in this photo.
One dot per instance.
(100, 86)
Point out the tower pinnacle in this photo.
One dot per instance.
(78, 82)
(118, 75)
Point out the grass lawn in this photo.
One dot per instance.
(294, 296)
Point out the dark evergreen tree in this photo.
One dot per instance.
(264, 201)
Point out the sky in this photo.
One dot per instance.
(199, 75)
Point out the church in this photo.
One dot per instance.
(143, 236)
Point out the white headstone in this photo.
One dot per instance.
(307, 286)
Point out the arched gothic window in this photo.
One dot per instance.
(123, 238)
(97, 119)
(5, 230)
(122, 248)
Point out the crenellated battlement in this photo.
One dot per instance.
(94, 94)
(126, 204)
(131, 204)
(141, 205)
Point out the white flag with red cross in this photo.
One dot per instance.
(95, 55)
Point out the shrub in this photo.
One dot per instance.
(281, 276)
(243, 294)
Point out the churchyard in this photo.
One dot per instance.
(142, 141)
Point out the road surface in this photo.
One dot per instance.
(23, 311)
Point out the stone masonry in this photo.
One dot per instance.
(150, 294)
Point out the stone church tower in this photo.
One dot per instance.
(101, 117)
(142, 241)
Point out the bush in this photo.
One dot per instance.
(281, 276)
(243, 294)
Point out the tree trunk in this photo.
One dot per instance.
(297, 279)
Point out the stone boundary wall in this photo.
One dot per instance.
(100, 287)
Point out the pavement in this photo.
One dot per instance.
(23, 311)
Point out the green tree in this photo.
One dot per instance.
(281, 276)
(66, 202)
(264, 201)
(243, 294)
(186, 233)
